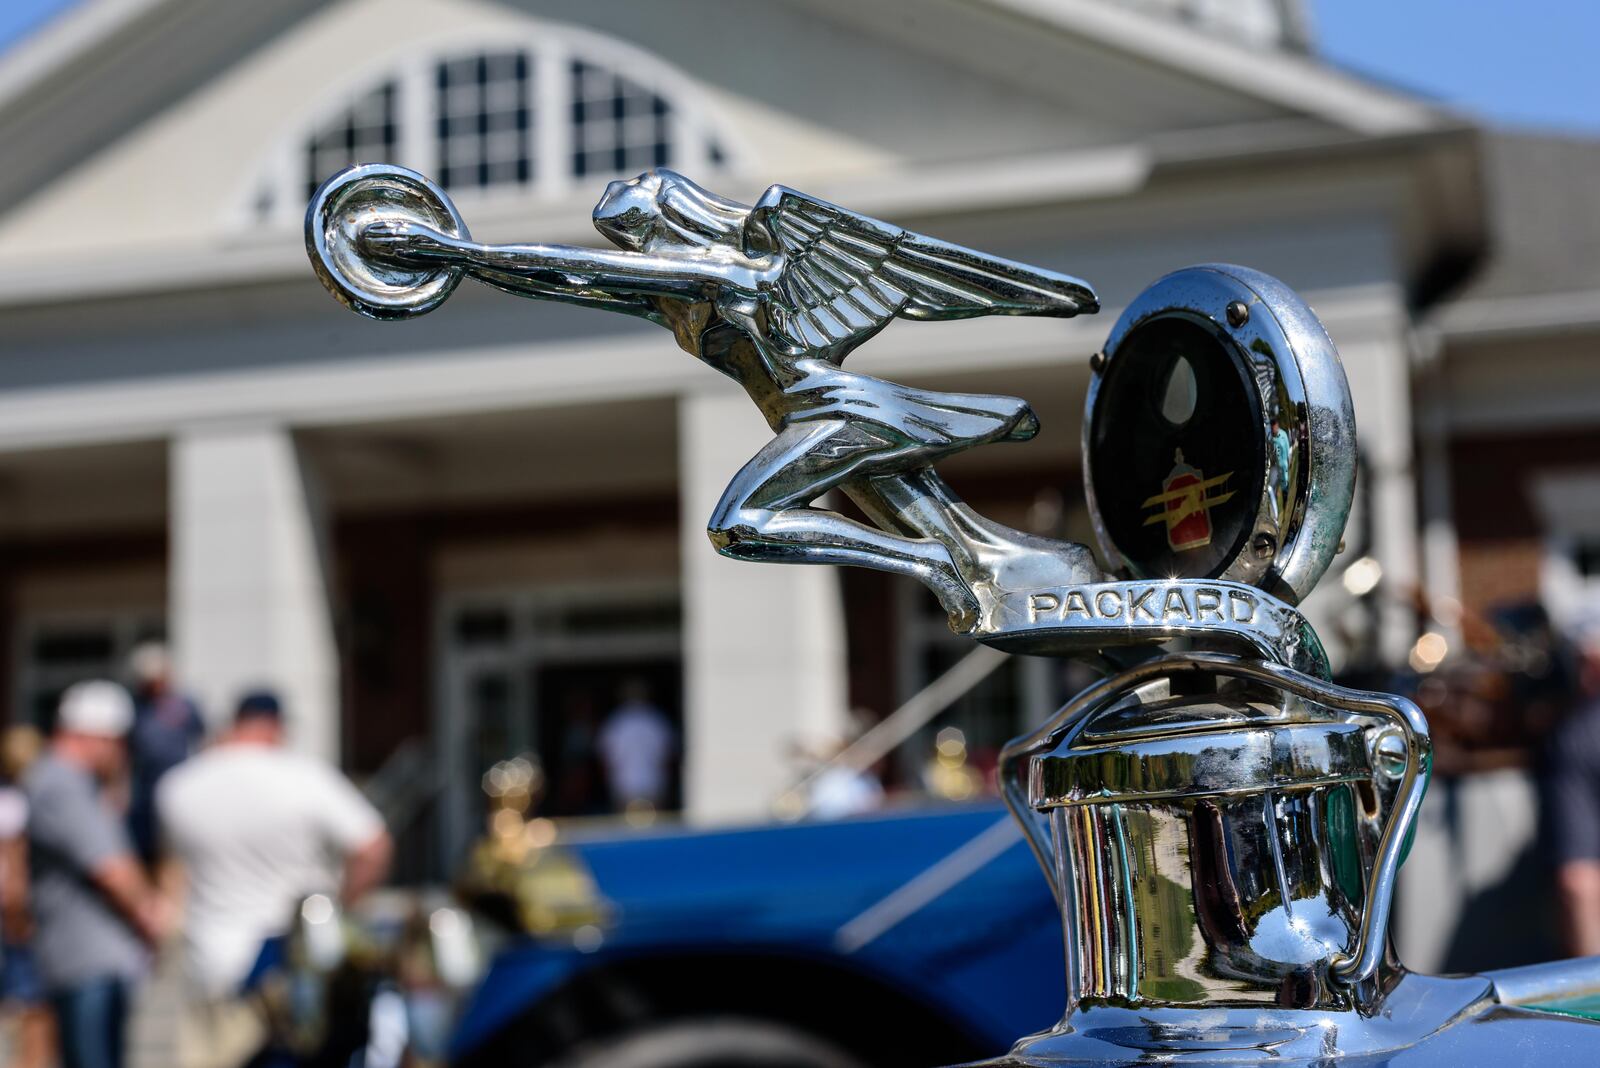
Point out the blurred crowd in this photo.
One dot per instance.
(1512, 691)
(129, 840)
(135, 837)
(132, 839)
(1570, 793)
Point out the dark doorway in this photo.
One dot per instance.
(573, 702)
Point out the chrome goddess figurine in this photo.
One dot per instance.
(774, 296)
(1221, 825)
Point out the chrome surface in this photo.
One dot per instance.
(1226, 800)
(1266, 754)
(1423, 1021)
(1221, 827)
(353, 200)
(1223, 836)
(1536, 984)
(1064, 619)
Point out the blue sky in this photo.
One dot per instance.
(1526, 62)
(17, 17)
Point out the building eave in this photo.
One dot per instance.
(921, 192)
(1100, 174)
(1286, 77)
(104, 66)
(1508, 317)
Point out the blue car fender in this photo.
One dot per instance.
(944, 905)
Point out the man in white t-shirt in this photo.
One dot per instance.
(637, 745)
(257, 828)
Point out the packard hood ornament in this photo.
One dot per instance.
(776, 296)
(1221, 825)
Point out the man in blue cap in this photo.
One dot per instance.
(257, 827)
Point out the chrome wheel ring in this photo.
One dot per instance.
(357, 197)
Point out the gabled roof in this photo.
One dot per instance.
(103, 66)
(1037, 101)
(79, 28)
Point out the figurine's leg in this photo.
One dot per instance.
(763, 514)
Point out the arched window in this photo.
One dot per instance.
(617, 124)
(367, 129)
(483, 118)
(542, 116)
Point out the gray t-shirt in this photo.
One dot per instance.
(78, 933)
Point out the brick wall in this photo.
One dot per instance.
(1498, 525)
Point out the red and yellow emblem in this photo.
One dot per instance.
(1184, 504)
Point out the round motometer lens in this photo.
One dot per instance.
(1219, 440)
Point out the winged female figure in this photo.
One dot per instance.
(775, 296)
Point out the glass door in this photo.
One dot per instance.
(538, 671)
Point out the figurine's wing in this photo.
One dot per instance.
(845, 276)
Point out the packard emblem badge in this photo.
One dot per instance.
(1184, 504)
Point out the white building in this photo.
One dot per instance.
(462, 530)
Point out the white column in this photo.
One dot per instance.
(764, 648)
(1441, 559)
(1379, 369)
(249, 598)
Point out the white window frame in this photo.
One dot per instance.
(125, 626)
(918, 628)
(693, 126)
(475, 93)
(1568, 505)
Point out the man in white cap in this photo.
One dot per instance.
(96, 915)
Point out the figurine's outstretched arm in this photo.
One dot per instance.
(566, 293)
(549, 270)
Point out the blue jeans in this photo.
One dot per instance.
(92, 1017)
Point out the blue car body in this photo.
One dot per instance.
(944, 909)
